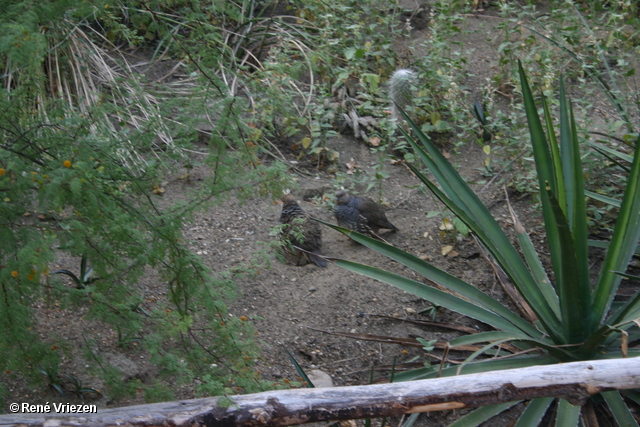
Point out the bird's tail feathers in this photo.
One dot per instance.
(320, 262)
(317, 258)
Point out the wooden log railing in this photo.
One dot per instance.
(574, 382)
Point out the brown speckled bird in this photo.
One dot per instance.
(360, 214)
(302, 232)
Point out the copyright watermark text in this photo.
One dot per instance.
(47, 408)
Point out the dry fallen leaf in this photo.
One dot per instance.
(446, 249)
(351, 166)
(374, 141)
(446, 225)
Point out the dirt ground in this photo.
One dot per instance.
(301, 309)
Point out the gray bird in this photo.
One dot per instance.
(360, 214)
(301, 232)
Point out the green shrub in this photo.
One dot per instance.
(84, 150)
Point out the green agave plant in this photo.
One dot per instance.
(570, 319)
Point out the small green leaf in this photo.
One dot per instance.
(461, 226)
(349, 53)
(372, 81)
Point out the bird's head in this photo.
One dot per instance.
(342, 197)
(288, 198)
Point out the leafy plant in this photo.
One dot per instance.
(583, 41)
(450, 228)
(124, 339)
(50, 374)
(86, 274)
(567, 319)
(87, 142)
(78, 389)
(57, 382)
(479, 114)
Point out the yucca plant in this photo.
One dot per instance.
(568, 319)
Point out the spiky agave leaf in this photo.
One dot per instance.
(584, 324)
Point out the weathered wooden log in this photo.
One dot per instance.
(572, 381)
